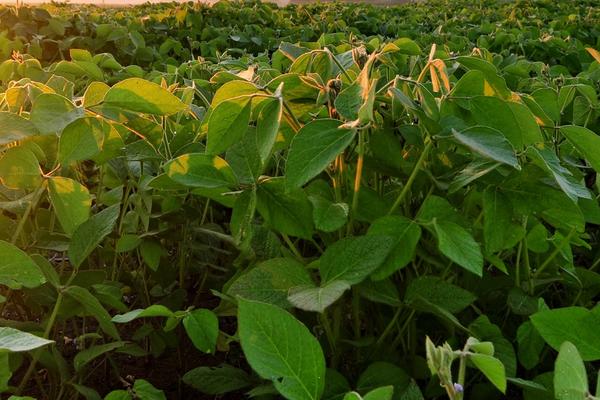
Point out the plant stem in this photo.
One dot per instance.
(411, 178)
(357, 178)
(553, 255)
(32, 204)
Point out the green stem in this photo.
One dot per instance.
(292, 247)
(36, 355)
(357, 178)
(28, 210)
(411, 178)
(388, 328)
(553, 255)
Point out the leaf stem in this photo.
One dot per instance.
(553, 255)
(411, 178)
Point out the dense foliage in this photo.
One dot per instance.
(325, 201)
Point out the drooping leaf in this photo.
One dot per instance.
(492, 368)
(267, 333)
(155, 310)
(585, 141)
(92, 307)
(86, 356)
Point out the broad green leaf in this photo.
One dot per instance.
(270, 281)
(139, 95)
(484, 330)
(227, 124)
(492, 368)
(531, 345)
(118, 395)
(71, 202)
(20, 169)
(202, 327)
(585, 141)
(563, 177)
(5, 372)
(51, 113)
(313, 148)
(312, 298)
(15, 341)
(267, 333)
(570, 324)
(151, 252)
(17, 269)
(200, 171)
(82, 139)
(233, 89)
(437, 291)
(267, 127)
(349, 101)
(86, 356)
(217, 380)
(90, 234)
(570, 376)
(514, 120)
(380, 374)
(382, 393)
(497, 220)
(155, 310)
(353, 259)
(92, 307)
(95, 93)
(406, 235)
(242, 215)
(283, 211)
(459, 246)
(328, 216)
(489, 143)
(15, 127)
(352, 396)
(144, 390)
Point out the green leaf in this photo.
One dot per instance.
(145, 391)
(92, 307)
(492, 368)
(285, 212)
(312, 298)
(573, 324)
(570, 376)
(20, 169)
(82, 139)
(86, 356)
(489, 143)
(15, 127)
(202, 327)
(118, 395)
(17, 269)
(90, 234)
(382, 393)
(227, 124)
(531, 345)
(459, 246)
(328, 216)
(353, 259)
(267, 333)
(514, 120)
(200, 171)
(267, 127)
(563, 177)
(498, 227)
(585, 141)
(94, 94)
(139, 95)
(380, 374)
(313, 148)
(406, 234)
(15, 341)
(437, 291)
(155, 310)
(51, 113)
(270, 281)
(217, 380)
(71, 202)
